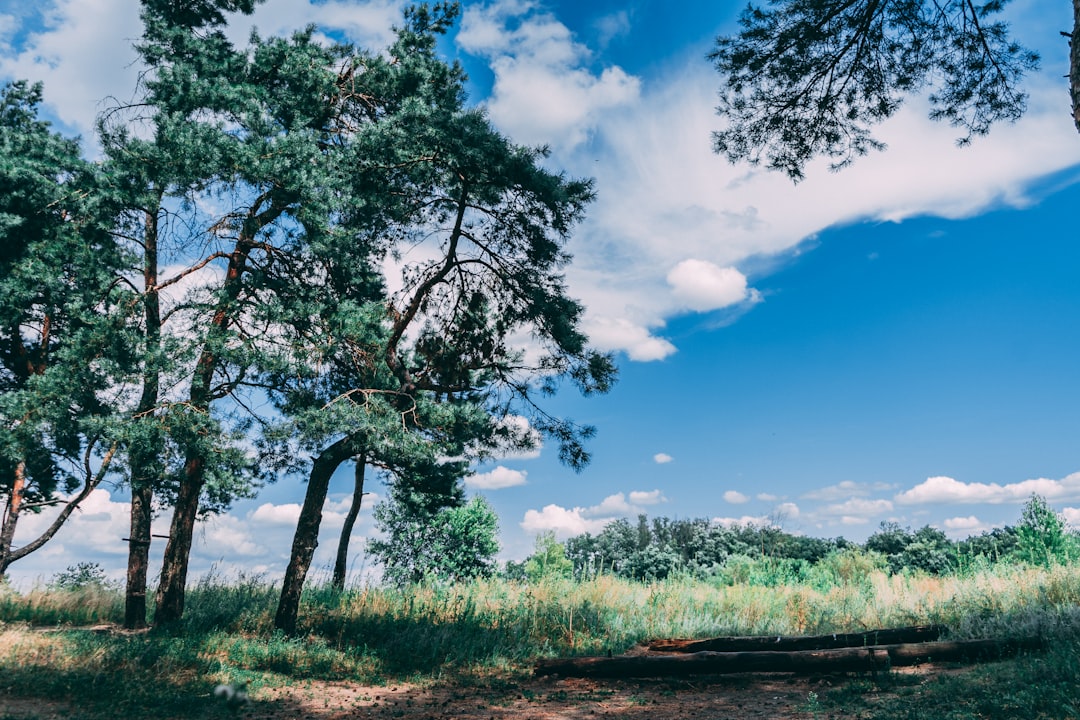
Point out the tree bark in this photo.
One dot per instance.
(341, 563)
(891, 636)
(144, 460)
(306, 538)
(142, 495)
(862, 659)
(11, 516)
(172, 586)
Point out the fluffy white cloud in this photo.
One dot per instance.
(700, 285)
(568, 522)
(662, 458)
(270, 514)
(564, 523)
(637, 341)
(943, 489)
(735, 497)
(856, 511)
(767, 497)
(500, 477)
(543, 94)
(965, 525)
(651, 497)
(788, 511)
(1072, 516)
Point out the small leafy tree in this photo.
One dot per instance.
(434, 535)
(1042, 538)
(548, 559)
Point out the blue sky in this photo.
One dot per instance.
(894, 342)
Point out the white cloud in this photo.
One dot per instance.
(766, 497)
(609, 334)
(787, 511)
(662, 458)
(700, 285)
(564, 523)
(962, 527)
(542, 94)
(735, 497)
(856, 510)
(568, 522)
(500, 477)
(83, 55)
(943, 489)
(652, 497)
(270, 514)
(1072, 516)
(664, 198)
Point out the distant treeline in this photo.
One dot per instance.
(657, 548)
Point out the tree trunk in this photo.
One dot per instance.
(142, 495)
(862, 659)
(144, 460)
(892, 636)
(174, 567)
(340, 564)
(307, 531)
(1074, 64)
(11, 516)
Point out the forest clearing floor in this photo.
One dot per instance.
(751, 695)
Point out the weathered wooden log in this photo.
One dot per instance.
(890, 636)
(803, 662)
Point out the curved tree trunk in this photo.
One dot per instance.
(341, 563)
(10, 516)
(174, 568)
(144, 460)
(307, 531)
(92, 481)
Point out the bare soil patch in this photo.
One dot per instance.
(750, 696)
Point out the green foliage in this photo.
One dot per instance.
(437, 540)
(665, 547)
(548, 560)
(1041, 537)
(79, 576)
(803, 79)
(925, 550)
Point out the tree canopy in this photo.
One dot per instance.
(315, 253)
(809, 78)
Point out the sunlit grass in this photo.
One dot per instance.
(375, 635)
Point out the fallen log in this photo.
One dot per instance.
(803, 662)
(890, 636)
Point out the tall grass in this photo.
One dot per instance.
(370, 634)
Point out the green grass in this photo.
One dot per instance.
(497, 628)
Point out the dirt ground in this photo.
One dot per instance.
(753, 697)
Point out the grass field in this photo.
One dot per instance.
(485, 628)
